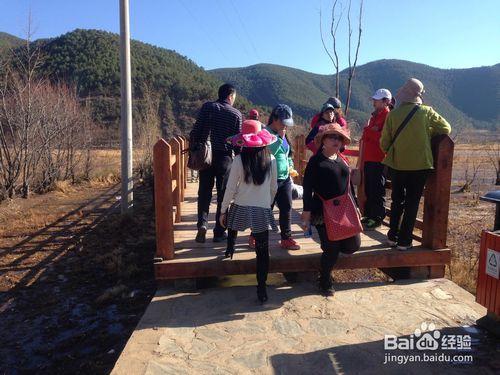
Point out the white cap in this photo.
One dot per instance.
(382, 94)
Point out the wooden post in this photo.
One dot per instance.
(302, 160)
(163, 200)
(361, 187)
(437, 194)
(182, 175)
(176, 174)
(299, 157)
(296, 157)
(186, 146)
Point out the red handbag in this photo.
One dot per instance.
(340, 215)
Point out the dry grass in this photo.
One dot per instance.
(63, 187)
(468, 215)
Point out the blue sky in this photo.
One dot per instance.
(234, 33)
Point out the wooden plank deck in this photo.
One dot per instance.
(193, 259)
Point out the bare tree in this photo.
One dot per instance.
(147, 133)
(352, 66)
(352, 55)
(333, 33)
(493, 152)
(472, 168)
(27, 60)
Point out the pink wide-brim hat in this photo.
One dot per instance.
(252, 135)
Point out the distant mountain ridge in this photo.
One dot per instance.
(466, 97)
(89, 59)
(9, 41)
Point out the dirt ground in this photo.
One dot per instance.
(75, 278)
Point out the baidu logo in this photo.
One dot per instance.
(427, 337)
(426, 340)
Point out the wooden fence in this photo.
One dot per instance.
(170, 171)
(170, 182)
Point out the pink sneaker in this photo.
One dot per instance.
(289, 244)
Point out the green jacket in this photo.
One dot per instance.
(412, 149)
(283, 160)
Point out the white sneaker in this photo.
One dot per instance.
(403, 248)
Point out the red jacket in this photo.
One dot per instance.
(341, 121)
(371, 136)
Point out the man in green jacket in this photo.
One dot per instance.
(409, 157)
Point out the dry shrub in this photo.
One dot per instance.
(63, 186)
(45, 134)
(104, 180)
(146, 134)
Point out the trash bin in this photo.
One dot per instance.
(488, 280)
(494, 197)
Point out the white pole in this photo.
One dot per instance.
(127, 198)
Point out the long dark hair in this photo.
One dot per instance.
(256, 164)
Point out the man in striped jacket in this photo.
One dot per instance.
(217, 120)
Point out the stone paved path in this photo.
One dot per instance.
(225, 331)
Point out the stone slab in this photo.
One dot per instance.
(223, 330)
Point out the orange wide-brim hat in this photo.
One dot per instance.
(332, 128)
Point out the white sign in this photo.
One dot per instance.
(493, 263)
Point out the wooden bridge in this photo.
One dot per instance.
(178, 256)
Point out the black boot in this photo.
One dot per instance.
(231, 240)
(229, 252)
(262, 293)
(326, 285)
(262, 251)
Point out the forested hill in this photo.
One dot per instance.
(9, 41)
(89, 59)
(467, 97)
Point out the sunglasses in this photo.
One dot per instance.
(334, 136)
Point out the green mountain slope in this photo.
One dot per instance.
(89, 60)
(9, 41)
(467, 97)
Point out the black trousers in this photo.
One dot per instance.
(261, 250)
(331, 251)
(283, 200)
(218, 171)
(374, 181)
(407, 189)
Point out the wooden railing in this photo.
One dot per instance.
(434, 225)
(170, 171)
(170, 179)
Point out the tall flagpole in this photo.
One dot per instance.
(127, 196)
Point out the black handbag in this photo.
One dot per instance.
(199, 156)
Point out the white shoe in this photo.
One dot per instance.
(403, 248)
